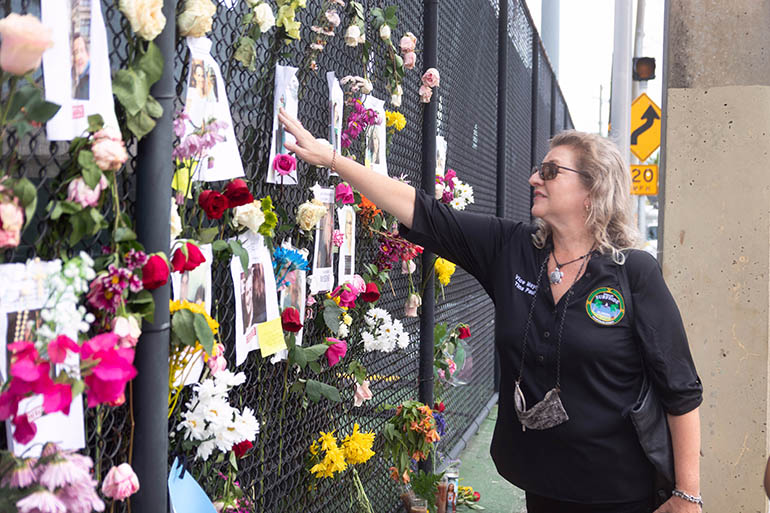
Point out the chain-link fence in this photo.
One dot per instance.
(274, 474)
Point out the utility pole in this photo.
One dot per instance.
(620, 95)
(637, 87)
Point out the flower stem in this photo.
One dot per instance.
(280, 416)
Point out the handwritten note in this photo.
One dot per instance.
(270, 336)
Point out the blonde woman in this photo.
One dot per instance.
(571, 344)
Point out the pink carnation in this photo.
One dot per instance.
(425, 93)
(11, 223)
(121, 482)
(79, 192)
(338, 238)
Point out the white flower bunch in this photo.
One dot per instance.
(63, 313)
(212, 421)
(452, 191)
(463, 195)
(385, 334)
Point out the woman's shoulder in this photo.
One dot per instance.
(640, 260)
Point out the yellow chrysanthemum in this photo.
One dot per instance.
(328, 441)
(334, 461)
(358, 446)
(395, 119)
(314, 447)
(198, 308)
(444, 270)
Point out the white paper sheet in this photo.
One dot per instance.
(376, 137)
(323, 256)
(441, 148)
(286, 95)
(256, 296)
(195, 285)
(336, 109)
(207, 98)
(76, 71)
(346, 267)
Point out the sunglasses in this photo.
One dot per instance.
(549, 170)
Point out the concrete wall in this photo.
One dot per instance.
(716, 231)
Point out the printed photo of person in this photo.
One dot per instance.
(325, 229)
(258, 297)
(21, 325)
(211, 85)
(373, 142)
(336, 129)
(247, 303)
(280, 132)
(80, 46)
(291, 296)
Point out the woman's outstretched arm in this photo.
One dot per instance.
(393, 196)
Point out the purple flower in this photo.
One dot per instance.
(135, 259)
(39, 501)
(63, 471)
(440, 423)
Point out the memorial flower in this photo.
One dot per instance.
(11, 221)
(309, 213)
(362, 393)
(120, 482)
(155, 272)
(79, 192)
(24, 41)
(213, 203)
(187, 257)
(344, 193)
(264, 17)
(145, 16)
(408, 43)
(109, 149)
(290, 320)
(197, 18)
(237, 193)
(250, 216)
(284, 164)
(431, 78)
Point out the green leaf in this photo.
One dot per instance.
(123, 234)
(219, 245)
(390, 11)
(140, 123)
(151, 63)
(297, 387)
(246, 52)
(90, 171)
(77, 388)
(207, 235)
(144, 305)
(297, 357)
(315, 390)
(95, 123)
(21, 98)
(131, 88)
(240, 252)
(314, 352)
(358, 370)
(204, 333)
(315, 367)
(153, 108)
(27, 194)
(439, 331)
(79, 228)
(182, 325)
(39, 110)
(233, 461)
(143, 297)
(97, 221)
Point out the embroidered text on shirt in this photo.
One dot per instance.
(525, 286)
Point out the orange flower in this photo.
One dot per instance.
(418, 455)
(415, 426)
(425, 410)
(432, 436)
(368, 210)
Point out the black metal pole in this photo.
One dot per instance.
(153, 193)
(502, 126)
(430, 58)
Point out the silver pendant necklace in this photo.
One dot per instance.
(556, 275)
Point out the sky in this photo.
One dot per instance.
(585, 55)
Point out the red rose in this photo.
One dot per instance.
(371, 293)
(155, 272)
(290, 320)
(439, 407)
(284, 164)
(242, 448)
(237, 193)
(194, 258)
(213, 203)
(465, 331)
(476, 496)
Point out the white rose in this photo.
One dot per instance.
(395, 100)
(362, 38)
(309, 213)
(367, 86)
(197, 18)
(250, 216)
(352, 35)
(264, 17)
(439, 191)
(385, 32)
(176, 221)
(145, 16)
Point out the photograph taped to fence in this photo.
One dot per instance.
(346, 266)
(376, 137)
(441, 148)
(25, 294)
(256, 298)
(195, 285)
(323, 256)
(286, 96)
(76, 71)
(336, 106)
(294, 295)
(206, 101)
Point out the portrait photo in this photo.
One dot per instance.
(80, 45)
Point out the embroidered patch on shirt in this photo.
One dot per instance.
(605, 306)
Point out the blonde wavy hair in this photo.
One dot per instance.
(610, 219)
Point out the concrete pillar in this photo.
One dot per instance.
(716, 230)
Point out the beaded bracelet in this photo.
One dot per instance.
(334, 157)
(695, 499)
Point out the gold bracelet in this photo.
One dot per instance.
(334, 157)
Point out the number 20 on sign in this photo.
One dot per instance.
(644, 179)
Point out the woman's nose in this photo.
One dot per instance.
(534, 179)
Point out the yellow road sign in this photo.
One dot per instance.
(644, 179)
(645, 127)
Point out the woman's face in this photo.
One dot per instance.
(79, 54)
(563, 197)
(198, 76)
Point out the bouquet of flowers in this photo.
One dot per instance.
(409, 435)
(451, 191)
(383, 332)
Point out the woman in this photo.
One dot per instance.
(569, 351)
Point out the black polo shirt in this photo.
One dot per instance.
(594, 457)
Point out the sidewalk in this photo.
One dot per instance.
(478, 470)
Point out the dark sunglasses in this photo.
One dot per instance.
(549, 170)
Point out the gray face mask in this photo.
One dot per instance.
(546, 414)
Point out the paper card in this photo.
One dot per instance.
(207, 98)
(76, 71)
(441, 148)
(270, 335)
(255, 292)
(346, 266)
(195, 285)
(184, 492)
(376, 137)
(286, 95)
(336, 108)
(323, 256)
(191, 374)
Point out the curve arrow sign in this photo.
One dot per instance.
(649, 118)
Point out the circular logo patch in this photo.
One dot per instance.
(605, 306)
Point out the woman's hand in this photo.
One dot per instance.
(307, 147)
(678, 505)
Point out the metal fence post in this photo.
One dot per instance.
(153, 186)
(502, 125)
(430, 111)
(533, 126)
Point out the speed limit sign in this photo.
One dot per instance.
(644, 179)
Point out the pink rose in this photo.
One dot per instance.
(338, 238)
(425, 93)
(284, 164)
(362, 394)
(80, 193)
(412, 303)
(127, 328)
(109, 153)
(357, 285)
(344, 193)
(410, 59)
(408, 266)
(24, 41)
(408, 43)
(11, 223)
(333, 18)
(431, 78)
(336, 350)
(121, 482)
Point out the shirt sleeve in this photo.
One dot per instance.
(472, 241)
(664, 343)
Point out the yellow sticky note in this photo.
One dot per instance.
(270, 336)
